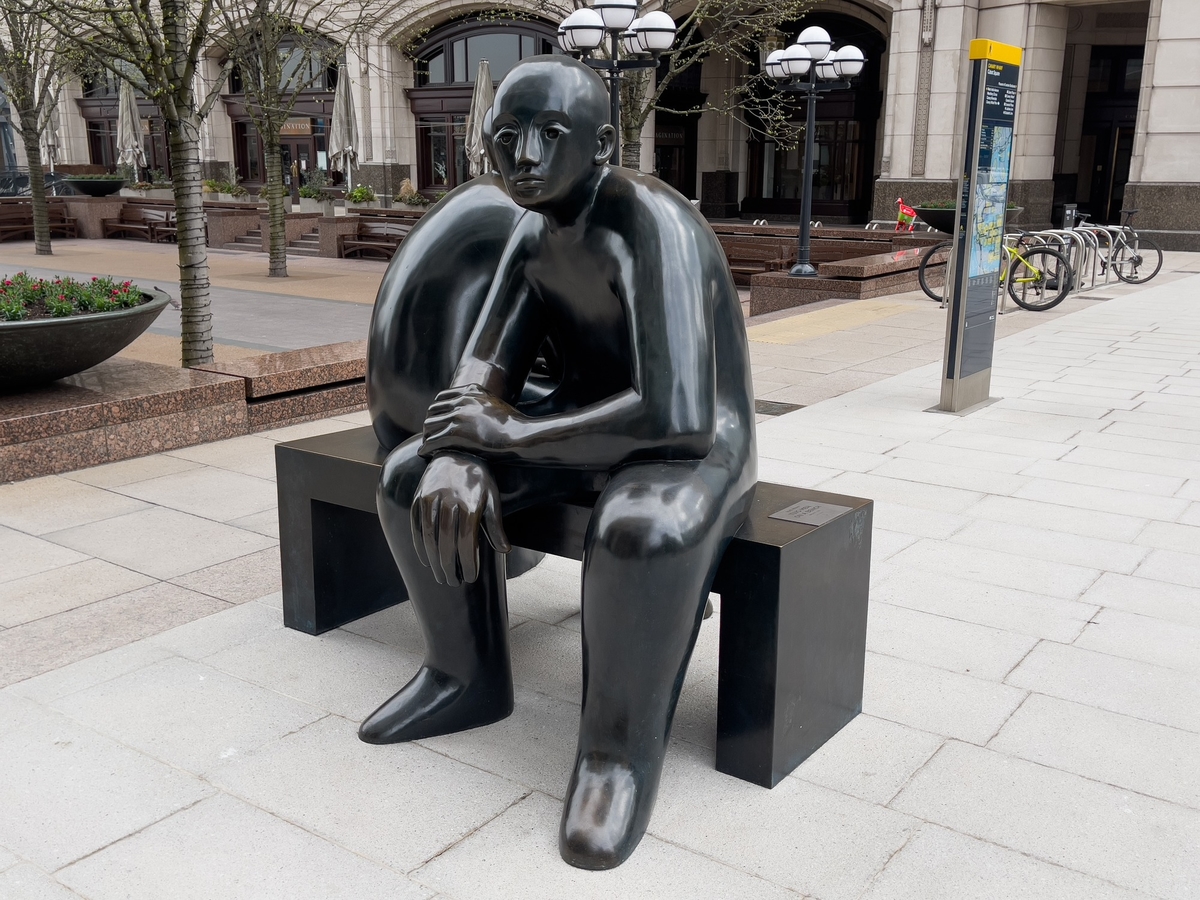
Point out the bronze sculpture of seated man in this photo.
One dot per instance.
(617, 284)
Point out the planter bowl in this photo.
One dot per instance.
(941, 219)
(97, 187)
(37, 351)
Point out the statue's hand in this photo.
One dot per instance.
(472, 420)
(455, 497)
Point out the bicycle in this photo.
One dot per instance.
(1037, 278)
(1129, 254)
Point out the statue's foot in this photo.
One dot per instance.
(606, 812)
(435, 703)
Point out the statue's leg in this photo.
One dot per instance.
(466, 680)
(653, 544)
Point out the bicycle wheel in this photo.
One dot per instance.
(942, 252)
(1039, 278)
(1137, 260)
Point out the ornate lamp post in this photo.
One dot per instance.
(642, 39)
(827, 70)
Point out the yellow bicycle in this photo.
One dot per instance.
(1037, 276)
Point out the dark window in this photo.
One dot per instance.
(456, 60)
(502, 51)
(1133, 76)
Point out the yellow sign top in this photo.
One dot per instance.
(982, 48)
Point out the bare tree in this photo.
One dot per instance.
(157, 45)
(732, 29)
(31, 62)
(280, 49)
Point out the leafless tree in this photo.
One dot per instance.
(736, 30)
(282, 48)
(31, 63)
(157, 45)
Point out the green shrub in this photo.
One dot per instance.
(364, 193)
(24, 297)
(308, 192)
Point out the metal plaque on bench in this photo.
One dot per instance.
(810, 512)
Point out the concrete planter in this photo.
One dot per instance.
(370, 204)
(311, 205)
(37, 351)
(96, 187)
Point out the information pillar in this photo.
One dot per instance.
(979, 257)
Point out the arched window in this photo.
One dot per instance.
(446, 65)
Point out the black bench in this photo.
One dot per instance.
(793, 597)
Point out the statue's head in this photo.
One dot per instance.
(548, 131)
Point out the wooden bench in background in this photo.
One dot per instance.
(16, 221)
(374, 237)
(793, 596)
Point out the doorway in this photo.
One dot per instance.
(675, 151)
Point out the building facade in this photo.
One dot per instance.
(1108, 115)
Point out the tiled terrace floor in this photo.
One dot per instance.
(1031, 725)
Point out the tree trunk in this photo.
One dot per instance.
(631, 152)
(273, 163)
(196, 337)
(37, 186)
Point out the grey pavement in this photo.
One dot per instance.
(1030, 726)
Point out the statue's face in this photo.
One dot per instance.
(548, 133)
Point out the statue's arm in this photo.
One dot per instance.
(669, 411)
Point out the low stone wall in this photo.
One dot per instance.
(330, 228)
(88, 211)
(124, 408)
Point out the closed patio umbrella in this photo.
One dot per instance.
(130, 150)
(49, 140)
(481, 102)
(343, 130)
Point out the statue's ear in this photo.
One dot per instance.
(606, 142)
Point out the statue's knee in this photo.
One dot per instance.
(642, 525)
(400, 476)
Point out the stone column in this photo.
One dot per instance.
(1032, 184)
(1164, 177)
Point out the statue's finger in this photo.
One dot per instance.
(493, 527)
(447, 541)
(468, 547)
(416, 515)
(429, 530)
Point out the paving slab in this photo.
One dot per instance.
(1118, 750)
(187, 714)
(79, 792)
(1060, 818)
(398, 805)
(229, 849)
(940, 864)
(515, 857)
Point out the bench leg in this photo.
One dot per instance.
(336, 564)
(793, 647)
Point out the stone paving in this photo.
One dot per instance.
(1031, 723)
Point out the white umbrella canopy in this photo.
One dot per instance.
(130, 150)
(343, 130)
(481, 102)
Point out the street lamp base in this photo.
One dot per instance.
(803, 270)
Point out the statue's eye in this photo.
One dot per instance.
(552, 132)
(506, 137)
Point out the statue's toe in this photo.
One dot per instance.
(605, 814)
